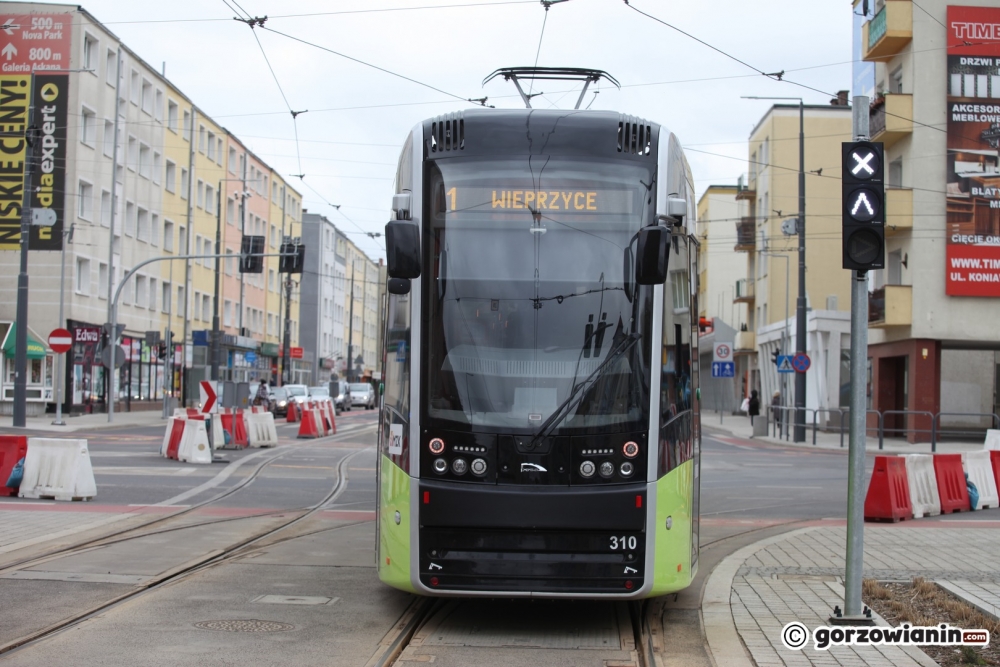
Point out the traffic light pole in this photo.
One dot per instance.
(853, 607)
(21, 342)
(800, 306)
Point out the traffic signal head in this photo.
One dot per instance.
(863, 203)
(293, 256)
(774, 356)
(252, 254)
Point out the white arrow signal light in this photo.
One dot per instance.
(863, 164)
(862, 199)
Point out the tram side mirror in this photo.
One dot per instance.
(402, 249)
(627, 265)
(399, 286)
(651, 255)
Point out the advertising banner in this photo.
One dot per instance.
(33, 43)
(973, 173)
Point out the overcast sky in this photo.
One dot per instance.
(358, 116)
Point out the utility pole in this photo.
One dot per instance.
(168, 371)
(216, 331)
(21, 343)
(243, 231)
(281, 293)
(286, 367)
(350, 326)
(800, 309)
(61, 367)
(187, 251)
(109, 373)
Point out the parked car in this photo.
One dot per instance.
(297, 392)
(363, 394)
(279, 401)
(342, 399)
(322, 393)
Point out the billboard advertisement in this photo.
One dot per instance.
(973, 175)
(33, 44)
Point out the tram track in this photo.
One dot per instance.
(190, 568)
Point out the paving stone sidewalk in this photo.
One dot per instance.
(20, 529)
(798, 577)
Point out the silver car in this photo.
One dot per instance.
(363, 394)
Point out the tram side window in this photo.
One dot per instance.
(676, 382)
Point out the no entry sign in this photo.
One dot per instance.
(60, 340)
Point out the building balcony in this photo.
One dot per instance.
(890, 118)
(892, 28)
(891, 306)
(745, 343)
(744, 291)
(898, 210)
(746, 235)
(746, 194)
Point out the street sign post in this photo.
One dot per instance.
(801, 362)
(722, 352)
(119, 356)
(785, 363)
(60, 340)
(208, 396)
(250, 357)
(723, 369)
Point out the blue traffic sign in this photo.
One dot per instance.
(250, 357)
(801, 362)
(785, 363)
(723, 369)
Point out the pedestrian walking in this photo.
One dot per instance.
(776, 407)
(753, 405)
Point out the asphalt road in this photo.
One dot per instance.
(317, 577)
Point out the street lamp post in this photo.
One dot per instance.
(800, 304)
(784, 337)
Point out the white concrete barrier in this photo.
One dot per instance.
(924, 497)
(180, 412)
(992, 439)
(218, 440)
(58, 468)
(194, 443)
(977, 465)
(261, 431)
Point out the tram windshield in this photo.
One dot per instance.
(535, 321)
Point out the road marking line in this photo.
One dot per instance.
(780, 486)
(276, 465)
(223, 475)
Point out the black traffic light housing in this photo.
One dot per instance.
(293, 256)
(863, 203)
(774, 356)
(252, 254)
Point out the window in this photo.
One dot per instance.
(88, 127)
(158, 105)
(230, 211)
(157, 167)
(274, 236)
(140, 290)
(105, 208)
(109, 138)
(180, 300)
(102, 281)
(218, 150)
(142, 224)
(147, 96)
(110, 67)
(270, 279)
(184, 183)
(681, 290)
(152, 294)
(187, 126)
(896, 173)
(202, 138)
(134, 88)
(230, 262)
(82, 276)
(133, 152)
(206, 309)
(170, 177)
(145, 163)
(90, 46)
(154, 229)
(227, 313)
(126, 297)
(85, 196)
(129, 218)
(274, 191)
(182, 239)
(896, 82)
(165, 293)
(210, 199)
(211, 146)
(168, 236)
(201, 194)
(232, 160)
(172, 116)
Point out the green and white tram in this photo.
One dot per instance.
(540, 424)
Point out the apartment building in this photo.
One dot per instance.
(932, 75)
(149, 191)
(323, 294)
(766, 234)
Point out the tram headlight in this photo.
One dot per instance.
(479, 467)
(630, 449)
(440, 466)
(607, 469)
(436, 445)
(587, 469)
(627, 469)
(459, 466)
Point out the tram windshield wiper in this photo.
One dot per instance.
(623, 345)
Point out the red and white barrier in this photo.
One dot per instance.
(173, 436)
(920, 479)
(13, 449)
(194, 447)
(888, 497)
(58, 468)
(980, 471)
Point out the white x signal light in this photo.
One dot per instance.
(862, 163)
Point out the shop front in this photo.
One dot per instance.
(84, 373)
(41, 369)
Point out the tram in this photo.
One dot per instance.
(539, 432)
